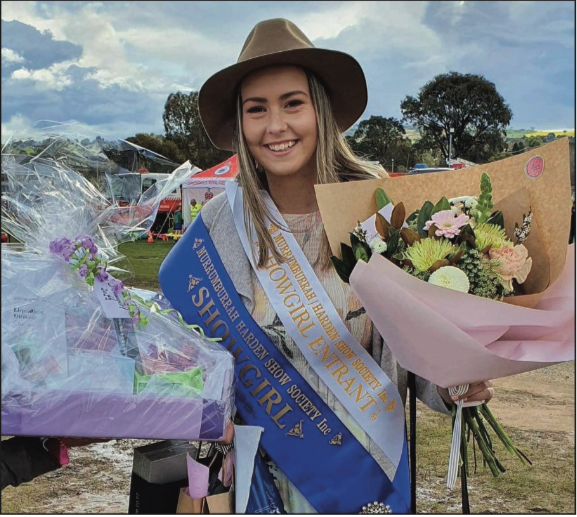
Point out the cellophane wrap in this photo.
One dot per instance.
(75, 362)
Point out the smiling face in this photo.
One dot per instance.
(279, 120)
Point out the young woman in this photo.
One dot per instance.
(283, 108)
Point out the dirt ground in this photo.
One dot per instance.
(536, 406)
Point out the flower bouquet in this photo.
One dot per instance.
(477, 286)
(83, 355)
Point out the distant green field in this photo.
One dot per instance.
(511, 133)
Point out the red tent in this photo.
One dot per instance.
(204, 185)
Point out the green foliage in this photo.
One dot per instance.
(382, 199)
(483, 279)
(360, 249)
(443, 204)
(159, 144)
(484, 201)
(534, 141)
(382, 139)
(183, 126)
(424, 216)
(497, 219)
(468, 103)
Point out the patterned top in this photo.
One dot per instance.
(308, 231)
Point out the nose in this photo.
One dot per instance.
(276, 122)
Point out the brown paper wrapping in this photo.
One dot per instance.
(342, 205)
(216, 504)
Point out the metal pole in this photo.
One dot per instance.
(450, 145)
(412, 439)
(392, 165)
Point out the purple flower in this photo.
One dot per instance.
(135, 319)
(102, 275)
(83, 271)
(62, 247)
(86, 242)
(117, 286)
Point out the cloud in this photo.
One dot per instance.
(9, 57)
(39, 49)
(113, 64)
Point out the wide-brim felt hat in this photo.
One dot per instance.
(281, 42)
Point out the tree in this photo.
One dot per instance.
(468, 103)
(382, 139)
(183, 126)
(159, 144)
(534, 141)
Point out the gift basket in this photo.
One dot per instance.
(83, 355)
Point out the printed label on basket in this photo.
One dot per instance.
(111, 304)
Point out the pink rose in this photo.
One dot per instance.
(515, 264)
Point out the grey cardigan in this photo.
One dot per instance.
(217, 217)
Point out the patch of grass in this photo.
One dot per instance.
(548, 486)
(143, 260)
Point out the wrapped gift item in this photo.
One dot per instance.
(82, 355)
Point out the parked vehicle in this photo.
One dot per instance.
(430, 169)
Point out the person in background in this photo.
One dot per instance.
(178, 220)
(194, 209)
(27, 457)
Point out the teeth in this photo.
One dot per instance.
(282, 147)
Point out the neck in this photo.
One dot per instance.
(294, 194)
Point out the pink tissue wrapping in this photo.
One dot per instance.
(452, 338)
(197, 478)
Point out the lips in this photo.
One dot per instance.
(281, 146)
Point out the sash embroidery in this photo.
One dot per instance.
(315, 326)
(307, 441)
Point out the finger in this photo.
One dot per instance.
(484, 395)
(477, 388)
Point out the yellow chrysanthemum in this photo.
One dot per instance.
(424, 253)
(492, 234)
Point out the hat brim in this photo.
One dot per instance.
(340, 73)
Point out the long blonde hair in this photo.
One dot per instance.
(335, 163)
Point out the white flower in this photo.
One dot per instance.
(378, 245)
(470, 202)
(450, 277)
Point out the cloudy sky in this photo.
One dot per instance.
(111, 65)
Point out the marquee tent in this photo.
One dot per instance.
(204, 185)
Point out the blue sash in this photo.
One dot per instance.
(308, 442)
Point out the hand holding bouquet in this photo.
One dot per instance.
(459, 292)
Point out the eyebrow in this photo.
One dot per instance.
(282, 97)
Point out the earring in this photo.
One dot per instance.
(257, 166)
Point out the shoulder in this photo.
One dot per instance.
(215, 210)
